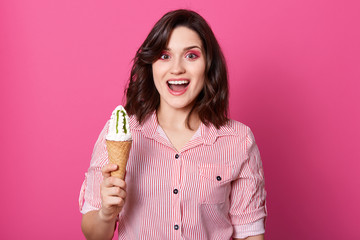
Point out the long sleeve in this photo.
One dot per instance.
(90, 198)
(248, 195)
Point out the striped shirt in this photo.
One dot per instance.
(212, 189)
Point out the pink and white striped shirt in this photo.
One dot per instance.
(212, 189)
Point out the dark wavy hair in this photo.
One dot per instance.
(142, 97)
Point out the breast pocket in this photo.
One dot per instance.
(215, 181)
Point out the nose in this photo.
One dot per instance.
(177, 67)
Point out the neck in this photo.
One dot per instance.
(177, 118)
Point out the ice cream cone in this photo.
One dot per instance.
(118, 152)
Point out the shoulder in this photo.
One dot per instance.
(239, 127)
(133, 122)
(238, 132)
(233, 127)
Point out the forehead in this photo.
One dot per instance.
(183, 37)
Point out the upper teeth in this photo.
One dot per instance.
(178, 82)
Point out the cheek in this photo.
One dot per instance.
(200, 76)
(199, 70)
(154, 69)
(159, 66)
(201, 81)
(156, 74)
(156, 66)
(156, 82)
(201, 85)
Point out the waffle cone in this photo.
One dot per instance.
(118, 152)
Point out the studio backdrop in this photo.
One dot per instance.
(294, 72)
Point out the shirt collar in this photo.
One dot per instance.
(208, 134)
(148, 127)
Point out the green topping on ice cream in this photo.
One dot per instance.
(124, 121)
(117, 121)
(116, 132)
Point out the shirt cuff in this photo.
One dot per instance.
(87, 208)
(251, 229)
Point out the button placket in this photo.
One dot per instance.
(176, 180)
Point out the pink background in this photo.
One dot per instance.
(294, 71)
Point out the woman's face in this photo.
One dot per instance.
(179, 73)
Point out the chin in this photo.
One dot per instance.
(177, 105)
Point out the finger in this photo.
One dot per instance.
(108, 168)
(108, 182)
(114, 181)
(122, 194)
(113, 201)
(117, 192)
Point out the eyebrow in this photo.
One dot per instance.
(187, 48)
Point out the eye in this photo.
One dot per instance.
(164, 56)
(192, 55)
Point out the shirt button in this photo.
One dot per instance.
(177, 156)
(218, 178)
(175, 191)
(176, 227)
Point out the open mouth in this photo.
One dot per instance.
(178, 86)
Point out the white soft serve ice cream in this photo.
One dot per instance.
(119, 129)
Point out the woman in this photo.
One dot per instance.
(192, 173)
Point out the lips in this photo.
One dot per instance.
(178, 86)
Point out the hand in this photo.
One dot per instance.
(113, 194)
